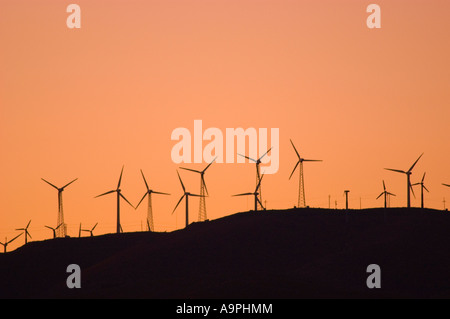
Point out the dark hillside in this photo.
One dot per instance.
(302, 253)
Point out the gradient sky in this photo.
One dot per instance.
(80, 103)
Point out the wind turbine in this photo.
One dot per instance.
(386, 194)
(25, 230)
(422, 187)
(119, 195)
(301, 182)
(149, 207)
(54, 229)
(185, 194)
(255, 193)
(408, 180)
(203, 191)
(6, 243)
(62, 230)
(90, 231)
(258, 173)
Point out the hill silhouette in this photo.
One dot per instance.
(297, 253)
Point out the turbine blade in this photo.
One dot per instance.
(294, 169)
(380, 195)
(446, 185)
(105, 193)
(391, 194)
(426, 188)
(423, 177)
(69, 183)
(257, 199)
(412, 190)
(50, 183)
(384, 186)
(192, 170)
(182, 185)
(126, 200)
(249, 158)
(120, 178)
(298, 155)
(160, 193)
(196, 195)
(28, 234)
(415, 163)
(94, 227)
(145, 181)
(49, 227)
(209, 164)
(312, 160)
(141, 200)
(259, 159)
(14, 239)
(395, 170)
(28, 224)
(243, 194)
(176, 206)
(58, 226)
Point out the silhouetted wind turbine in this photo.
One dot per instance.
(422, 187)
(386, 194)
(203, 191)
(25, 230)
(255, 193)
(185, 194)
(301, 182)
(60, 220)
(149, 207)
(91, 230)
(119, 195)
(54, 229)
(258, 172)
(6, 243)
(408, 180)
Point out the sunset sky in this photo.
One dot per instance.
(80, 103)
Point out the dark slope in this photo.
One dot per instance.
(304, 253)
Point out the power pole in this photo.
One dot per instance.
(346, 198)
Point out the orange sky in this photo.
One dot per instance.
(83, 102)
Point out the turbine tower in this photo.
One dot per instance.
(6, 243)
(301, 181)
(53, 229)
(62, 231)
(386, 195)
(185, 194)
(255, 193)
(119, 195)
(150, 226)
(408, 180)
(422, 187)
(258, 173)
(25, 231)
(202, 216)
